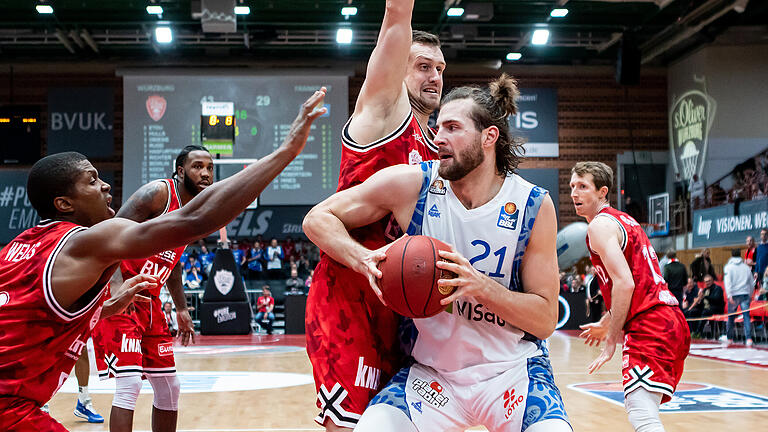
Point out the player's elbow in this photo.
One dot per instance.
(311, 224)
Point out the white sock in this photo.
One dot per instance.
(82, 394)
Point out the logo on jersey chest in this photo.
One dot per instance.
(437, 187)
(130, 345)
(367, 376)
(434, 212)
(431, 392)
(414, 158)
(508, 216)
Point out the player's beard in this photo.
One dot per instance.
(463, 163)
(421, 105)
(190, 186)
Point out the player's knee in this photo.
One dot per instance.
(550, 425)
(127, 390)
(166, 389)
(643, 410)
(383, 417)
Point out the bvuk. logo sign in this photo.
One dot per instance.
(688, 398)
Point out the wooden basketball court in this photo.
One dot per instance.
(264, 383)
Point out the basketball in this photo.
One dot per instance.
(409, 276)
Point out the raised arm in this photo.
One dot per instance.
(392, 190)
(89, 253)
(383, 99)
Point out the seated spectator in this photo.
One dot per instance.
(691, 308)
(255, 257)
(294, 284)
(192, 262)
(264, 305)
(170, 318)
(192, 278)
(206, 259)
(275, 256)
(712, 299)
(308, 282)
(304, 266)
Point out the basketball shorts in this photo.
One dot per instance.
(134, 343)
(351, 341)
(24, 415)
(510, 402)
(656, 343)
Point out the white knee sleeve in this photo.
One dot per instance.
(384, 418)
(643, 410)
(127, 390)
(167, 389)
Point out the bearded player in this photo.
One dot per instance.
(642, 312)
(348, 329)
(53, 277)
(137, 343)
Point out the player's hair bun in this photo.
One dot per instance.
(504, 93)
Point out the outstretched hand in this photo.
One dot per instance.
(593, 333)
(310, 110)
(608, 350)
(129, 292)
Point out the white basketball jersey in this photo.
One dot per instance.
(468, 342)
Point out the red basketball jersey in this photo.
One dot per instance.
(408, 144)
(650, 287)
(160, 264)
(39, 340)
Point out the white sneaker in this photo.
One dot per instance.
(749, 343)
(723, 338)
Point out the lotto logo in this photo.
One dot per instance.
(511, 402)
(165, 349)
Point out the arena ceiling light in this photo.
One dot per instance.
(44, 8)
(344, 36)
(163, 34)
(155, 10)
(349, 11)
(242, 10)
(558, 13)
(514, 56)
(540, 37)
(455, 12)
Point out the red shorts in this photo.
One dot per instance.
(134, 343)
(24, 415)
(656, 343)
(351, 341)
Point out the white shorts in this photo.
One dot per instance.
(510, 402)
